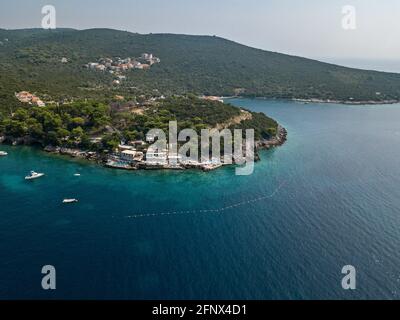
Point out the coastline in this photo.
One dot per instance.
(316, 100)
(347, 102)
(103, 159)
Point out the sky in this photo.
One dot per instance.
(308, 28)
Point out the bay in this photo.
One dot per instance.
(327, 198)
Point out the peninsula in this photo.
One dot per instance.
(115, 134)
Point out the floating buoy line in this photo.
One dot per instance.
(215, 210)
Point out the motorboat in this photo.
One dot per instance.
(3, 153)
(70, 200)
(34, 175)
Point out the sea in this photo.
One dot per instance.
(328, 198)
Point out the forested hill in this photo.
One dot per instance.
(30, 60)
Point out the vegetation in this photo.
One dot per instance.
(78, 124)
(263, 126)
(64, 125)
(81, 105)
(31, 60)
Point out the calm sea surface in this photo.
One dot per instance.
(329, 197)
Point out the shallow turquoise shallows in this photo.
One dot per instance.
(329, 197)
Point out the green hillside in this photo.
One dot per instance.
(31, 60)
(76, 124)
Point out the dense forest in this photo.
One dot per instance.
(31, 60)
(78, 124)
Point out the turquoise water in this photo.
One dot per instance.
(329, 197)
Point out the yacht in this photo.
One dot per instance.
(3, 153)
(34, 175)
(70, 200)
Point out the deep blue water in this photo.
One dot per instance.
(338, 204)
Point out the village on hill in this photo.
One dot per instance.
(145, 61)
(118, 65)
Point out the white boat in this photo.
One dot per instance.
(34, 175)
(3, 153)
(70, 200)
(77, 174)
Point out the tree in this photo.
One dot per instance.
(76, 135)
(15, 128)
(85, 141)
(62, 134)
(35, 129)
(77, 122)
(52, 122)
(130, 135)
(21, 114)
(111, 141)
(51, 138)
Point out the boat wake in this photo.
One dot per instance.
(215, 210)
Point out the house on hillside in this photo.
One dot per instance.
(24, 96)
(27, 97)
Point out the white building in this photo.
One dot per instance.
(128, 155)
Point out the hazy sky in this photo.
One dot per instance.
(310, 28)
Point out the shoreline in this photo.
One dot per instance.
(348, 102)
(316, 100)
(102, 159)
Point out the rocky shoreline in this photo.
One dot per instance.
(75, 153)
(276, 141)
(101, 158)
